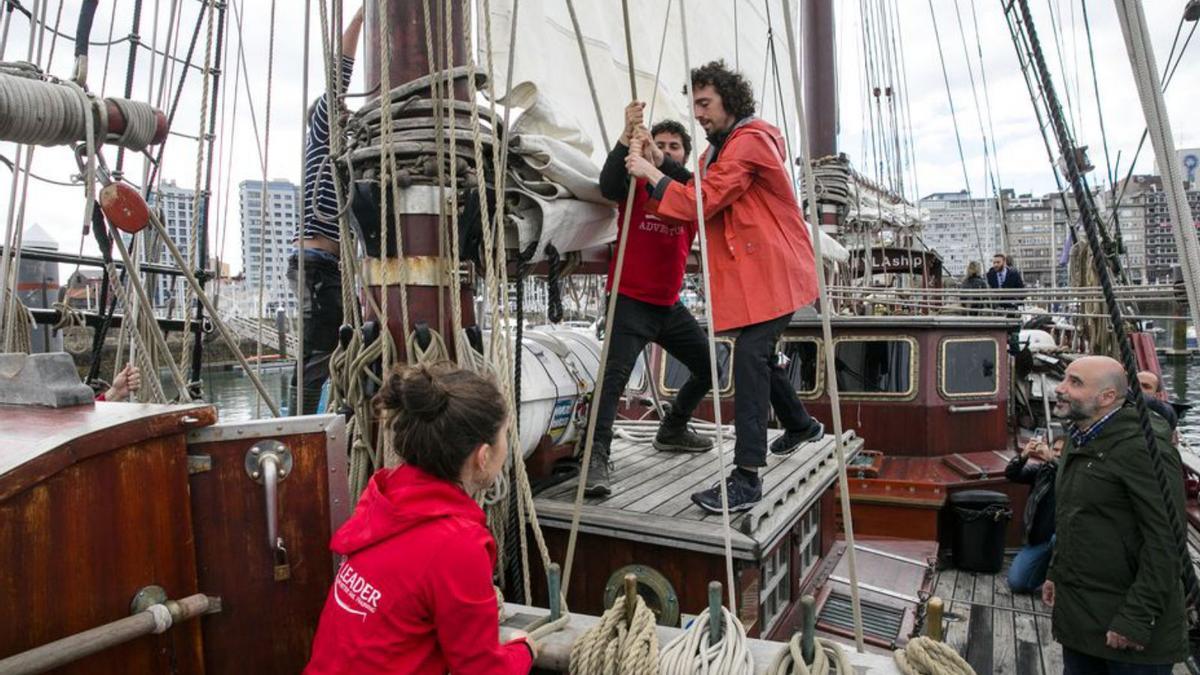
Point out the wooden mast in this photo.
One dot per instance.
(429, 294)
(820, 90)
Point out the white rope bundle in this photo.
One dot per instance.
(691, 652)
(828, 659)
(36, 112)
(612, 648)
(926, 656)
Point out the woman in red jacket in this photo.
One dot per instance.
(414, 594)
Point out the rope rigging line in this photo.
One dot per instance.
(826, 330)
(718, 445)
(591, 81)
(301, 289)
(265, 195)
(186, 356)
(1087, 209)
(610, 312)
(909, 144)
(926, 656)
(962, 158)
(992, 168)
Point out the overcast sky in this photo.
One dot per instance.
(1022, 160)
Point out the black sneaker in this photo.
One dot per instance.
(671, 438)
(743, 494)
(791, 440)
(599, 477)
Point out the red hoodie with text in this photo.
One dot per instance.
(415, 593)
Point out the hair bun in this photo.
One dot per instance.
(422, 394)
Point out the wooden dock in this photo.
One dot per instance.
(998, 631)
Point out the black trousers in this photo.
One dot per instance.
(321, 304)
(760, 384)
(636, 324)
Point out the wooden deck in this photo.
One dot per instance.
(998, 631)
(651, 497)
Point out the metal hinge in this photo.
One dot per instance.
(199, 463)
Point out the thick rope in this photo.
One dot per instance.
(826, 327)
(613, 648)
(828, 659)
(21, 322)
(692, 652)
(926, 656)
(705, 276)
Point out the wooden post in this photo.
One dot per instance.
(554, 590)
(715, 620)
(631, 596)
(808, 618)
(933, 618)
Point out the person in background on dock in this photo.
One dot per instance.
(414, 594)
(761, 263)
(1028, 569)
(1115, 579)
(1002, 277)
(322, 300)
(128, 381)
(973, 282)
(648, 307)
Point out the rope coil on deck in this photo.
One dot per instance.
(692, 653)
(611, 647)
(829, 658)
(926, 656)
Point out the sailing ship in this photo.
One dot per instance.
(224, 527)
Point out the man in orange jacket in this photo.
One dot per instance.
(761, 263)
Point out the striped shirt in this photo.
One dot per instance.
(320, 198)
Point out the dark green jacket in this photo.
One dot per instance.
(1115, 564)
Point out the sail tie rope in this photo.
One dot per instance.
(617, 647)
(692, 651)
(828, 659)
(925, 656)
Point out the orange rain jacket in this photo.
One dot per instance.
(760, 251)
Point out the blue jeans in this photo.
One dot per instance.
(1076, 663)
(1028, 571)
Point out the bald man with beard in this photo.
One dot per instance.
(1114, 581)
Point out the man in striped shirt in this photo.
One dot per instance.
(321, 299)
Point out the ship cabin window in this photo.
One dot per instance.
(968, 367)
(776, 593)
(672, 374)
(876, 367)
(810, 540)
(803, 365)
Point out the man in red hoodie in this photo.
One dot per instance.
(648, 307)
(761, 264)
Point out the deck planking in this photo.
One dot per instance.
(651, 491)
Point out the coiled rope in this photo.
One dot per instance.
(692, 652)
(926, 656)
(37, 112)
(828, 658)
(613, 647)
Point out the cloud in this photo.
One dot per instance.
(1022, 159)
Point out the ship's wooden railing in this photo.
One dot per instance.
(154, 619)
